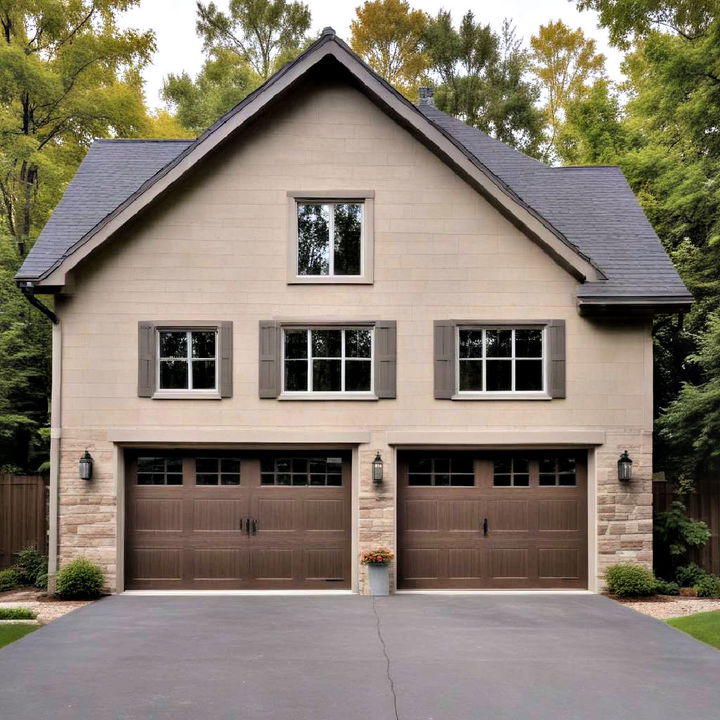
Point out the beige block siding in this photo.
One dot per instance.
(216, 250)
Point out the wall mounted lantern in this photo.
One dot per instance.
(377, 469)
(85, 466)
(625, 467)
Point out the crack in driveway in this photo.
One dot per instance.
(391, 682)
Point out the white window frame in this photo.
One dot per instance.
(364, 198)
(190, 391)
(501, 394)
(309, 392)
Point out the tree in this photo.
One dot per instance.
(387, 34)
(565, 62)
(263, 33)
(483, 79)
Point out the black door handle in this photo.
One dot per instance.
(485, 527)
(247, 525)
(254, 526)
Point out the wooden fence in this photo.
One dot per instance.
(703, 504)
(23, 515)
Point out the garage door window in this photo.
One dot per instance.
(217, 471)
(511, 472)
(557, 472)
(441, 472)
(301, 471)
(159, 471)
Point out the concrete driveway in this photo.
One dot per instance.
(412, 657)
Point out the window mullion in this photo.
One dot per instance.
(484, 359)
(512, 360)
(342, 361)
(331, 240)
(310, 366)
(188, 341)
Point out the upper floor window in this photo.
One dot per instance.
(501, 360)
(328, 360)
(331, 238)
(187, 359)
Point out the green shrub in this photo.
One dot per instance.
(665, 587)
(709, 587)
(689, 575)
(41, 581)
(79, 579)
(630, 580)
(9, 579)
(30, 563)
(17, 613)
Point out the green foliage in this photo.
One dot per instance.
(665, 587)
(9, 579)
(709, 587)
(630, 580)
(677, 533)
(702, 626)
(17, 613)
(41, 581)
(483, 78)
(29, 564)
(689, 575)
(79, 579)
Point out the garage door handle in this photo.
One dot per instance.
(254, 526)
(485, 527)
(247, 525)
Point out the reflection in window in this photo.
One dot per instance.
(217, 471)
(328, 360)
(313, 471)
(500, 360)
(448, 471)
(558, 472)
(159, 471)
(329, 239)
(511, 472)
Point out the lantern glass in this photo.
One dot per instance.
(85, 466)
(377, 469)
(625, 467)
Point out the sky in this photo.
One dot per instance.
(178, 47)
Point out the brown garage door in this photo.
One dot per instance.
(229, 521)
(470, 520)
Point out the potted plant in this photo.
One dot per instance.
(377, 562)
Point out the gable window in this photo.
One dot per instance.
(179, 360)
(331, 238)
(334, 360)
(500, 360)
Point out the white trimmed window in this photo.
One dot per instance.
(187, 360)
(333, 361)
(501, 360)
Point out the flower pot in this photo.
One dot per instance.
(379, 578)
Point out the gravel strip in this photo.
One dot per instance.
(47, 609)
(666, 607)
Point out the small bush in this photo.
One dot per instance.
(664, 587)
(41, 581)
(79, 579)
(19, 613)
(630, 580)
(9, 579)
(689, 575)
(709, 587)
(30, 563)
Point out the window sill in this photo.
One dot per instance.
(187, 395)
(328, 396)
(501, 396)
(330, 280)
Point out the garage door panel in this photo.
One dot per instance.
(325, 564)
(560, 563)
(325, 515)
(274, 514)
(421, 515)
(462, 515)
(272, 564)
(508, 515)
(158, 515)
(465, 564)
(509, 563)
(559, 515)
(156, 563)
(421, 563)
(218, 515)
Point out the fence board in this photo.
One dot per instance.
(703, 504)
(23, 515)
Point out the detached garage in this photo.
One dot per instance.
(492, 520)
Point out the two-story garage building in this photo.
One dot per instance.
(328, 277)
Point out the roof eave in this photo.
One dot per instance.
(612, 305)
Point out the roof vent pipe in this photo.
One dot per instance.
(426, 96)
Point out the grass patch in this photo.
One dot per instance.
(11, 633)
(17, 613)
(703, 626)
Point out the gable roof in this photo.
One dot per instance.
(587, 219)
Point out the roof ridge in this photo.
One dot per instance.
(143, 140)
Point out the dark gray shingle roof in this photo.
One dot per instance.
(111, 171)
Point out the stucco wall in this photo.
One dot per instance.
(216, 249)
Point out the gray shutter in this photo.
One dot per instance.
(269, 364)
(226, 359)
(444, 362)
(146, 359)
(386, 358)
(556, 356)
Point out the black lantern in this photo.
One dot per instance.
(625, 467)
(85, 466)
(377, 469)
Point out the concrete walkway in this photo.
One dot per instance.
(412, 657)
